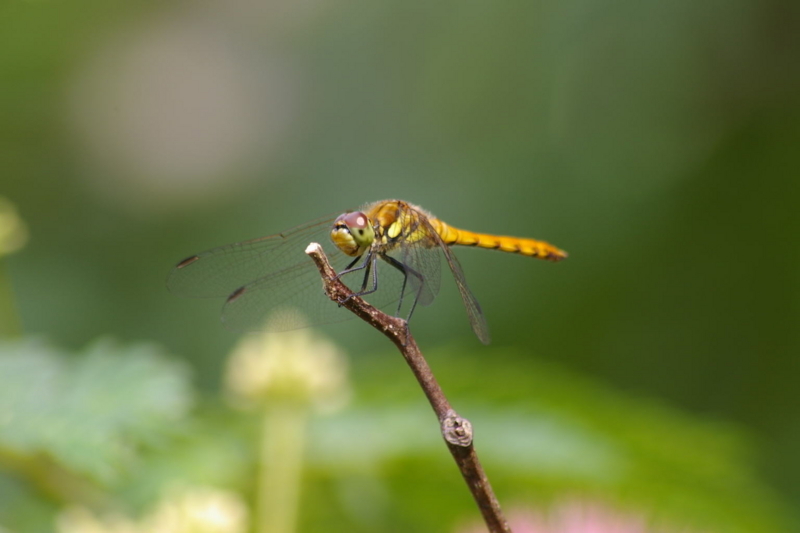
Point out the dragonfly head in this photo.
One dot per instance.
(353, 233)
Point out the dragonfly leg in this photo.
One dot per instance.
(370, 265)
(419, 291)
(406, 270)
(402, 268)
(366, 279)
(349, 268)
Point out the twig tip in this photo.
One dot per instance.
(313, 248)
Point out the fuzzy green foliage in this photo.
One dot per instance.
(114, 423)
(73, 425)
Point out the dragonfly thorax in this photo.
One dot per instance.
(353, 233)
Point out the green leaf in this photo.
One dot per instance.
(88, 413)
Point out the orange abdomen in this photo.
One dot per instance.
(529, 247)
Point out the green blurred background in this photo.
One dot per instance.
(657, 142)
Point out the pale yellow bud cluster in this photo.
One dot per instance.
(188, 510)
(296, 366)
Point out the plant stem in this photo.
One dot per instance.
(282, 446)
(10, 327)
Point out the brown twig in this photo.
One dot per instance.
(457, 431)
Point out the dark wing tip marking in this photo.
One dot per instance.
(235, 295)
(188, 261)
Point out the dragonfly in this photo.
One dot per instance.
(391, 251)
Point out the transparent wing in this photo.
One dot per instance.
(476, 318)
(424, 256)
(220, 271)
(277, 298)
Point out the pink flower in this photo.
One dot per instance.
(573, 517)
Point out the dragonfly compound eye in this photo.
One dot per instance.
(353, 233)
